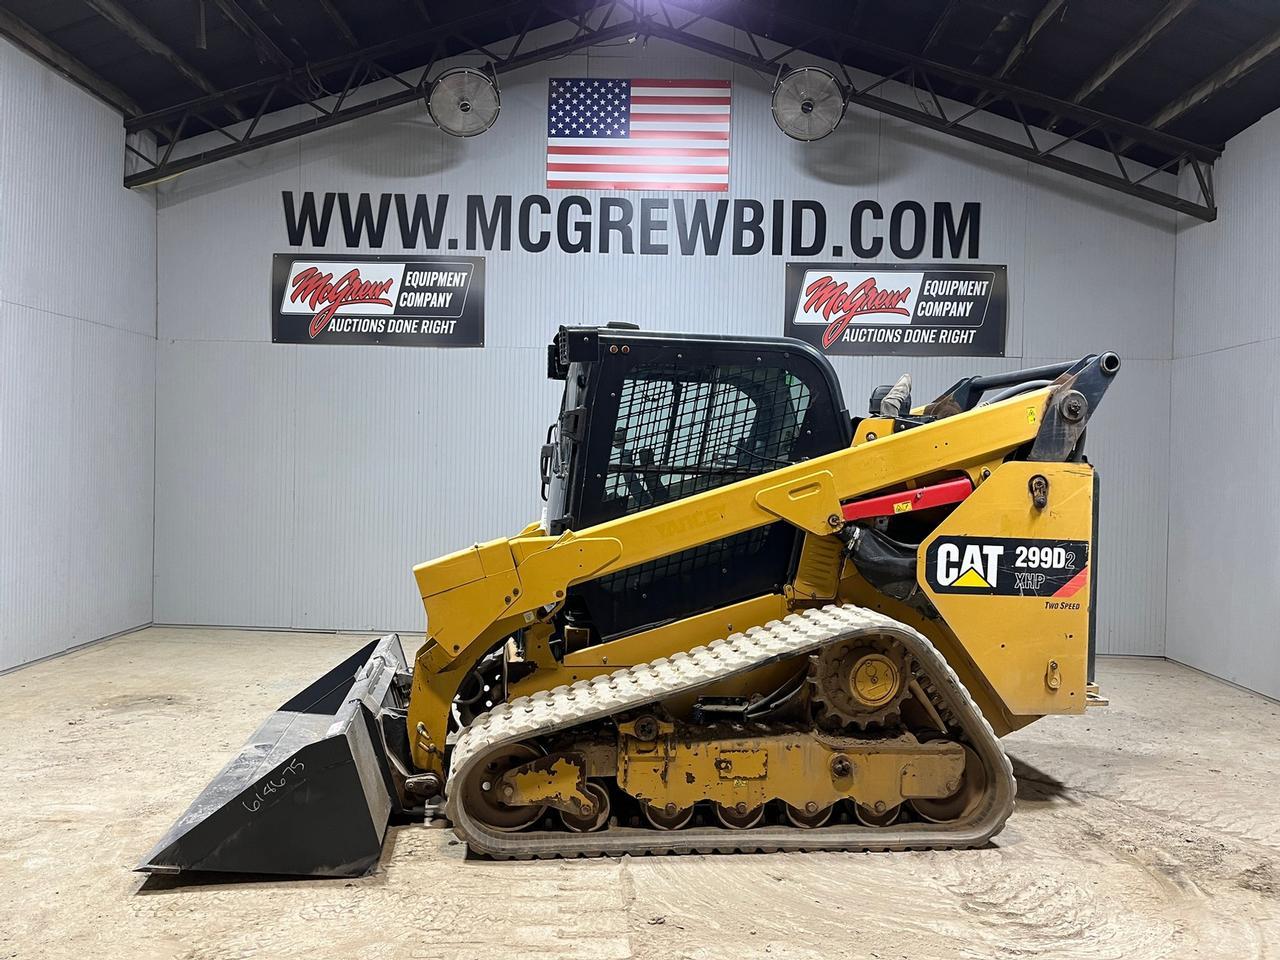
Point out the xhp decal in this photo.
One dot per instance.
(1007, 567)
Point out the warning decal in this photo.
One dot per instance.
(1007, 567)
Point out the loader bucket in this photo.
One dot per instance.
(310, 794)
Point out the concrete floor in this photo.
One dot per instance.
(1148, 829)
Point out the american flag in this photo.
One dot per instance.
(605, 134)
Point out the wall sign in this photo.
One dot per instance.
(575, 223)
(392, 300)
(916, 309)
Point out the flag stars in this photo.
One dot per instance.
(585, 107)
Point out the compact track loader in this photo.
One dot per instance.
(746, 621)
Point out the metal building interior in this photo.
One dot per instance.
(679, 675)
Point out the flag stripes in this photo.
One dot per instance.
(643, 134)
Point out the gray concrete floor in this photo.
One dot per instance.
(1148, 829)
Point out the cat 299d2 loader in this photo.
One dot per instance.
(746, 621)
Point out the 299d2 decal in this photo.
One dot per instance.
(1008, 567)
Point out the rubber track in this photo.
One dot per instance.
(554, 710)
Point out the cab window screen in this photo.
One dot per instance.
(683, 430)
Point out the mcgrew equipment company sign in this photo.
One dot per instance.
(398, 301)
(920, 309)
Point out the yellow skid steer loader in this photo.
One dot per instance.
(746, 621)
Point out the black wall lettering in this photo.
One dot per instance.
(497, 225)
(304, 220)
(423, 221)
(818, 242)
(868, 250)
(748, 234)
(660, 227)
(949, 236)
(650, 223)
(907, 242)
(621, 224)
(579, 241)
(527, 241)
(700, 230)
(363, 222)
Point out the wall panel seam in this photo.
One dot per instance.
(1231, 346)
(72, 316)
(66, 651)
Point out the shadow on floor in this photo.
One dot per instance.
(1036, 786)
(156, 883)
(188, 881)
(191, 880)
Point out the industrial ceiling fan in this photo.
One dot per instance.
(464, 101)
(808, 103)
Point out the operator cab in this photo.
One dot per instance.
(648, 418)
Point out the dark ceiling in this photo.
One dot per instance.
(1200, 70)
(1077, 39)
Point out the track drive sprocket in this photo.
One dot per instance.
(860, 683)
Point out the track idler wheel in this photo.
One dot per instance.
(599, 815)
(965, 799)
(481, 792)
(669, 817)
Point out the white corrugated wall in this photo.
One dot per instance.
(1224, 524)
(296, 486)
(77, 370)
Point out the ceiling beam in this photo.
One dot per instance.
(281, 30)
(423, 12)
(1102, 76)
(835, 45)
(45, 50)
(141, 34)
(855, 19)
(339, 23)
(1170, 12)
(1046, 156)
(939, 26)
(267, 49)
(301, 76)
(912, 70)
(1023, 46)
(1225, 77)
(165, 168)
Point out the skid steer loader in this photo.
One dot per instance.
(746, 621)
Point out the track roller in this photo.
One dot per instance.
(669, 818)
(599, 816)
(808, 819)
(740, 817)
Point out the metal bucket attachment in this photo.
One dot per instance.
(310, 794)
